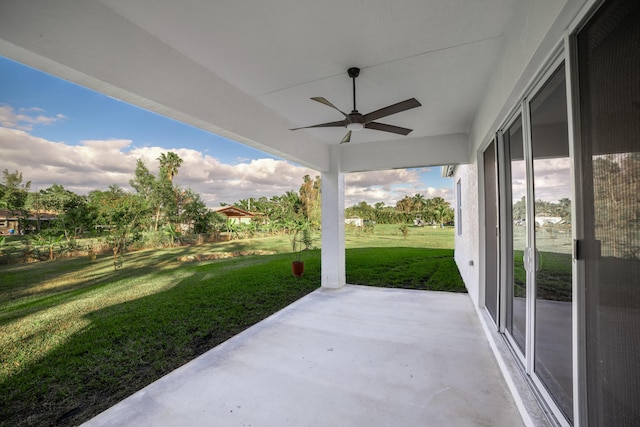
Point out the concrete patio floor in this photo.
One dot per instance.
(356, 356)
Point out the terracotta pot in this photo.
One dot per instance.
(297, 267)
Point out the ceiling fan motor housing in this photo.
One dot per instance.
(356, 121)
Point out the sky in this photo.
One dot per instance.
(54, 131)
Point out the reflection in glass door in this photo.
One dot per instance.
(538, 282)
(516, 226)
(553, 242)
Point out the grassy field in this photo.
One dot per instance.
(78, 336)
(390, 236)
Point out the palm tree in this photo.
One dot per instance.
(418, 203)
(405, 205)
(169, 164)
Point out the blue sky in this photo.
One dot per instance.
(54, 131)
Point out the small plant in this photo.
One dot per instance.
(173, 234)
(2, 242)
(368, 227)
(91, 253)
(404, 229)
(301, 241)
(48, 242)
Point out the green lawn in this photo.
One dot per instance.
(78, 336)
(390, 236)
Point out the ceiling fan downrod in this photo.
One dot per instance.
(353, 73)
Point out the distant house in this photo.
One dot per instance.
(235, 214)
(357, 221)
(10, 220)
(544, 220)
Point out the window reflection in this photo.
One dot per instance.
(516, 321)
(552, 207)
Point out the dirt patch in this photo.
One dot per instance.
(222, 255)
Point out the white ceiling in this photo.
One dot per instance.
(282, 52)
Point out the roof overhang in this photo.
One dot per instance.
(246, 70)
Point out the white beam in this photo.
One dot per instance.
(406, 153)
(90, 44)
(333, 255)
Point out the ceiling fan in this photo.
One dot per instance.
(356, 121)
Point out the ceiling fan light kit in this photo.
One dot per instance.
(356, 121)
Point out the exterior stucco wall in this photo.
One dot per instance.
(536, 30)
(466, 254)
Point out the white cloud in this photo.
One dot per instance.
(96, 164)
(26, 118)
(389, 186)
(552, 179)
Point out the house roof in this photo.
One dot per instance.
(14, 215)
(233, 211)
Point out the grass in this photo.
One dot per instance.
(553, 277)
(79, 336)
(408, 268)
(390, 236)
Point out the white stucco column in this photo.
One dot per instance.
(333, 259)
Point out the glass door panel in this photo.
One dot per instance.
(516, 318)
(553, 241)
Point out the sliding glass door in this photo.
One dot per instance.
(516, 286)
(537, 222)
(568, 299)
(551, 247)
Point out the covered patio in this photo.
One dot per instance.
(499, 82)
(354, 356)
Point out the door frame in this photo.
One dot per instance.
(527, 358)
(483, 232)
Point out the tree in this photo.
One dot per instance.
(148, 188)
(418, 203)
(405, 205)
(439, 211)
(76, 218)
(121, 214)
(52, 199)
(616, 203)
(194, 212)
(310, 199)
(169, 164)
(143, 181)
(14, 192)
(519, 209)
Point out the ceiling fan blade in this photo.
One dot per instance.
(341, 123)
(387, 128)
(346, 138)
(327, 103)
(392, 109)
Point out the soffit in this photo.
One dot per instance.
(281, 53)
